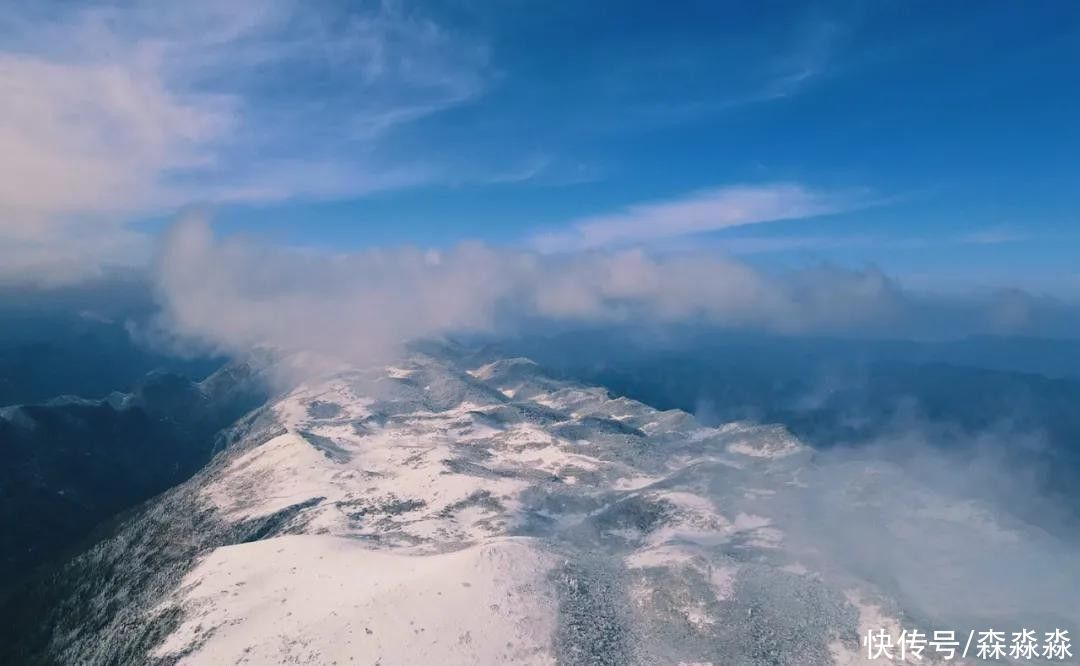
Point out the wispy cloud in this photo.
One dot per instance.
(813, 55)
(993, 236)
(708, 210)
(112, 111)
(791, 64)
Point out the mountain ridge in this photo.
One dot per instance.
(480, 511)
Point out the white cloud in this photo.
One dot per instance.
(708, 210)
(64, 254)
(89, 138)
(993, 236)
(234, 294)
(113, 111)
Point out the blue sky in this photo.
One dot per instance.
(937, 141)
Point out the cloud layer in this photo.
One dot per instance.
(235, 294)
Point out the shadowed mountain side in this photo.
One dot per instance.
(84, 341)
(71, 463)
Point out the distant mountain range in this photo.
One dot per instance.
(43, 355)
(71, 463)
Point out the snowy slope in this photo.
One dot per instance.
(413, 478)
(324, 599)
(444, 510)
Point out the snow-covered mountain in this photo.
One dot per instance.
(459, 510)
